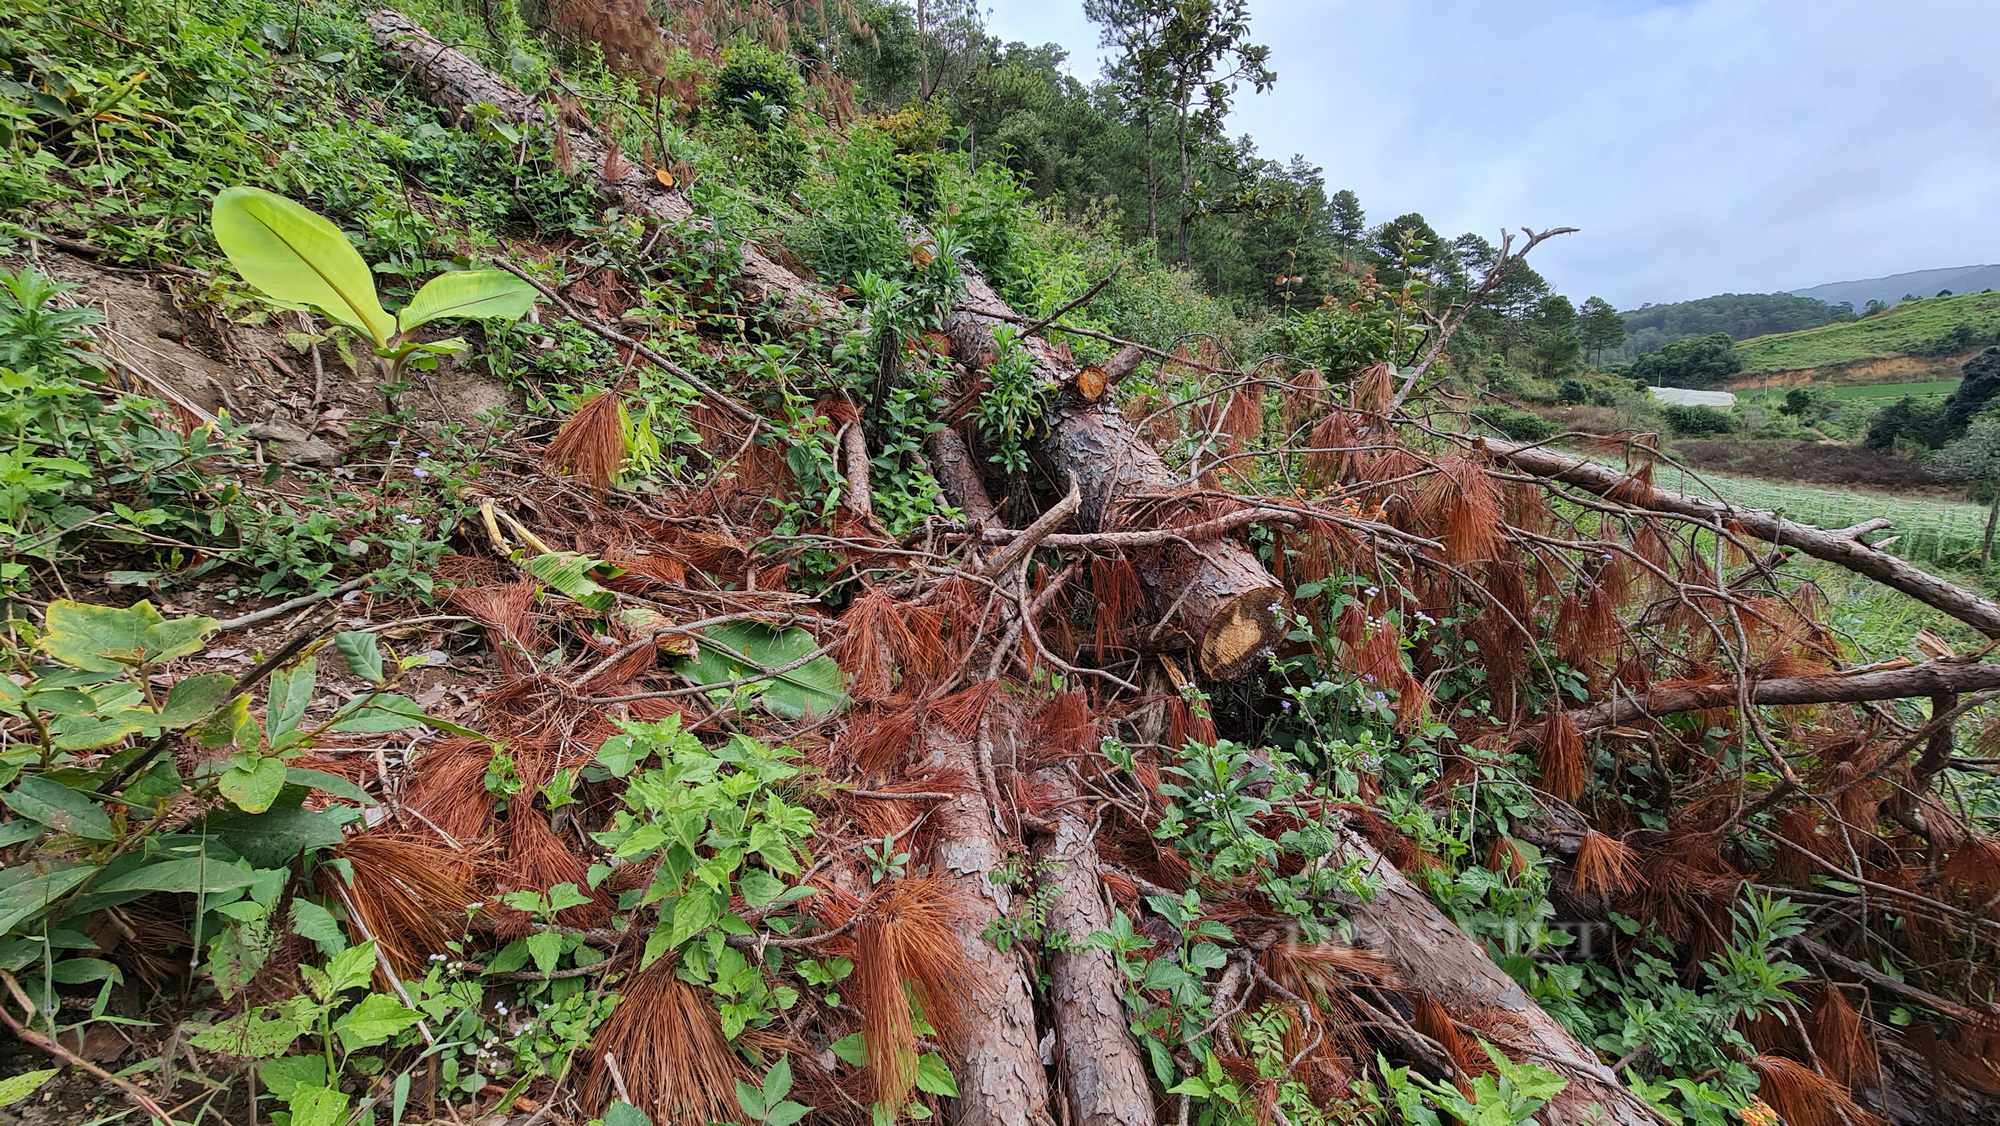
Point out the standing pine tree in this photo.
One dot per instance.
(1600, 328)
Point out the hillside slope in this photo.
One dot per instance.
(1924, 339)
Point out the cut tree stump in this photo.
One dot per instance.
(1216, 590)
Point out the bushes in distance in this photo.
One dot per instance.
(1698, 362)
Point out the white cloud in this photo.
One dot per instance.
(1702, 146)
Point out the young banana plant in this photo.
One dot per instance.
(300, 260)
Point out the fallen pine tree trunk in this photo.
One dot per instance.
(1932, 678)
(1216, 592)
(1107, 1081)
(999, 1063)
(1401, 924)
(1842, 547)
(1224, 598)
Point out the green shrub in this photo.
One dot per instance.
(1571, 392)
(1690, 421)
(1520, 425)
(761, 85)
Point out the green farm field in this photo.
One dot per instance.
(1935, 534)
(1914, 328)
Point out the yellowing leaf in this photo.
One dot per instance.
(110, 639)
(468, 293)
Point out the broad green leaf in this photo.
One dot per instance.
(620, 753)
(318, 1106)
(291, 691)
(76, 971)
(851, 1048)
(566, 895)
(392, 712)
(468, 293)
(545, 947)
(750, 1100)
(759, 887)
(778, 1081)
(277, 836)
(327, 783)
(352, 967)
(811, 689)
(17, 1087)
(60, 808)
(569, 573)
(23, 829)
(249, 1034)
(934, 1076)
(310, 920)
(363, 653)
(187, 874)
(231, 726)
(253, 786)
(24, 892)
(786, 1113)
(625, 1114)
(296, 256)
(286, 1074)
(109, 639)
(693, 913)
(378, 1017)
(195, 699)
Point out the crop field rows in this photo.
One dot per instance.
(1927, 532)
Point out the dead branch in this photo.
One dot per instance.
(1844, 547)
(1932, 678)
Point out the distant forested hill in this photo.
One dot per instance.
(1742, 315)
(1895, 287)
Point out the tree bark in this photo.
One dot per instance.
(1932, 678)
(958, 476)
(1106, 1079)
(1220, 594)
(1403, 925)
(1833, 546)
(999, 1065)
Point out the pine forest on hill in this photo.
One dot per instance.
(606, 564)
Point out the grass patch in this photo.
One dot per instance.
(1937, 534)
(1890, 392)
(1924, 327)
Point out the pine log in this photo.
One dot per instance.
(1402, 924)
(1106, 1081)
(1843, 547)
(1932, 678)
(1217, 591)
(998, 1065)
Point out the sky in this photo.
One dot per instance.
(1700, 146)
